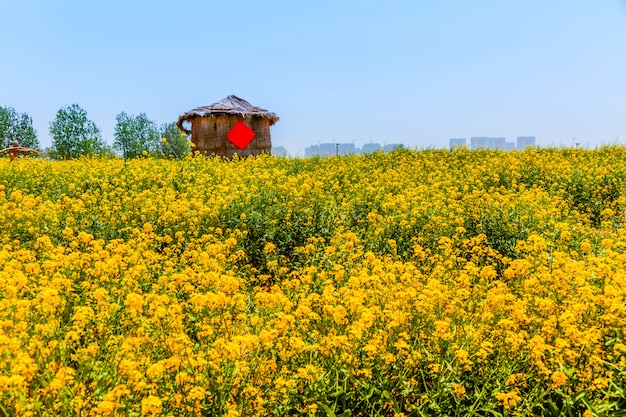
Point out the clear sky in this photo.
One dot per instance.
(411, 72)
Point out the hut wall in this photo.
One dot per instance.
(209, 135)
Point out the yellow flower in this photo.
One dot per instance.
(63, 377)
(607, 243)
(514, 379)
(270, 248)
(155, 370)
(134, 302)
(459, 389)
(434, 368)
(232, 411)
(105, 407)
(558, 378)
(462, 357)
(196, 394)
(508, 399)
(309, 373)
(585, 246)
(151, 405)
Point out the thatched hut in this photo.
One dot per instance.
(230, 126)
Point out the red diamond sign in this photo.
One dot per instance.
(240, 135)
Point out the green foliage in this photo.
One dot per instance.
(135, 135)
(176, 143)
(74, 135)
(17, 127)
(592, 196)
(287, 221)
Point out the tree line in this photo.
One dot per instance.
(74, 135)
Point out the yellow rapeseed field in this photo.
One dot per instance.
(414, 283)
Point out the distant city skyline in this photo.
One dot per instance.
(346, 148)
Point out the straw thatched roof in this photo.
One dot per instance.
(231, 105)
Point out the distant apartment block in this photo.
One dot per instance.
(525, 141)
(458, 143)
(484, 142)
(370, 147)
(279, 151)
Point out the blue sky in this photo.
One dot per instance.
(411, 72)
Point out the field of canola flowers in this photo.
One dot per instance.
(413, 283)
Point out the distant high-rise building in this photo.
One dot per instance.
(279, 151)
(525, 141)
(457, 143)
(370, 147)
(484, 142)
(481, 142)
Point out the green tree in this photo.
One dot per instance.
(74, 135)
(17, 127)
(176, 143)
(136, 134)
